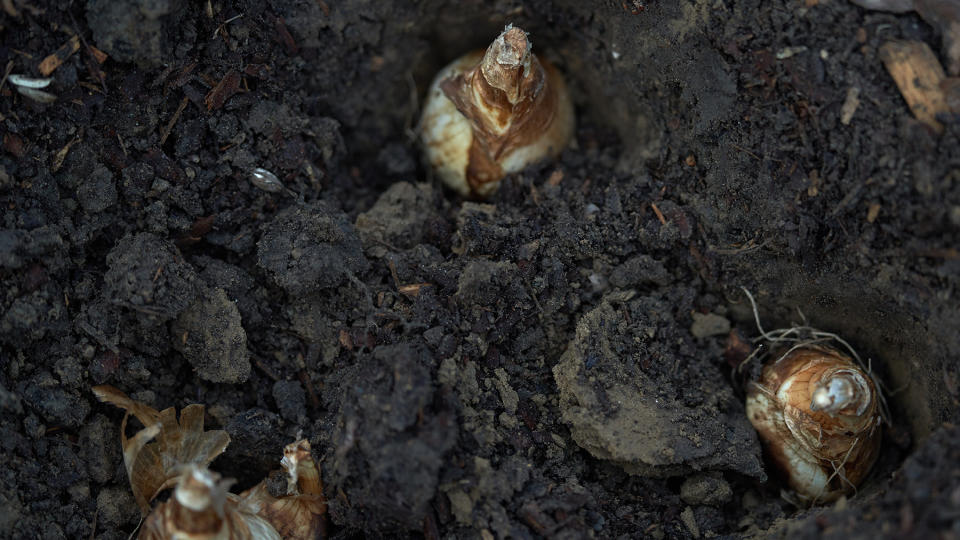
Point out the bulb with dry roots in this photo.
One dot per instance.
(494, 112)
(201, 508)
(301, 513)
(818, 415)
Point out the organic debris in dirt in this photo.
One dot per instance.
(52, 62)
(155, 466)
(201, 508)
(943, 15)
(201, 505)
(919, 76)
(300, 514)
(227, 87)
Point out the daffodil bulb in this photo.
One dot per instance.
(818, 415)
(491, 113)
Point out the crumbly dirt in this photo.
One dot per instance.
(546, 363)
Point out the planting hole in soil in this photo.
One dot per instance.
(228, 204)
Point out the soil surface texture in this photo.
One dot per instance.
(546, 363)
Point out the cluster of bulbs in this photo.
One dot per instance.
(488, 114)
(491, 113)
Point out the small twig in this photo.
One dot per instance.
(224, 24)
(10, 8)
(265, 369)
(98, 336)
(745, 151)
(533, 295)
(173, 120)
(656, 210)
(752, 245)
(123, 147)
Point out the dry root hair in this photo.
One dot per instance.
(799, 336)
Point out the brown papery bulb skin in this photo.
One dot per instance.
(301, 515)
(202, 509)
(818, 415)
(494, 112)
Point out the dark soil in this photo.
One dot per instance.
(548, 363)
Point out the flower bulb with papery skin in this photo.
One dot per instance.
(818, 415)
(491, 113)
(202, 509)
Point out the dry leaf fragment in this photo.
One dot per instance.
(412, 290)
(53, 61)
(61, 155)
(226, 88)
(850, 105)
(918, 74)
(97, 54)
(29, 82)
(943, 15)
(30, 87)
(155, 466)
(303, 476)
